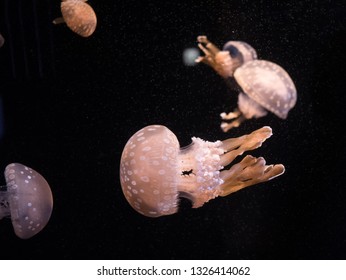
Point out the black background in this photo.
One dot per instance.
(70, 104)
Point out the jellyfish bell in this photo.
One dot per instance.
(269, 85)
(79, 17)
(266, 86)
(27, 199)
(240, 52)
(155, 172)
(225, 61)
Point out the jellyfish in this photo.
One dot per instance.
(79, 17)
(155, 172)
(27, 199)
(2, 40)
(266, 86)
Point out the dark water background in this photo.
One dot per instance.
(70, 104)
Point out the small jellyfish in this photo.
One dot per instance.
(79, 17)
(2, 40)
(266, 86)
(155, 171)
(27, 199)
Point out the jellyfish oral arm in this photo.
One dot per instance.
(247, 109)
(209, 46)
(199, 164)
(236, 115)
(250, 170)
(220, 61)
(206, 161)
(4, 205)
(234, 147)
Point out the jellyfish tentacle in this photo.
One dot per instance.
(207, 47)
(209, 50)
(207, 59)
(212, 49)
(247, 109)
(248, 172)
(231, 115)
(228, 126)
(238, 117)
(220, 61)
(234, 147)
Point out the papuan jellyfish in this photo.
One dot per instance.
(79, 17)
(155, 172)
(266, 86)
(27, 199)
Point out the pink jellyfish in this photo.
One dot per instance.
(79, 17)
(265, 85)
(27, 199)
(155, 171)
